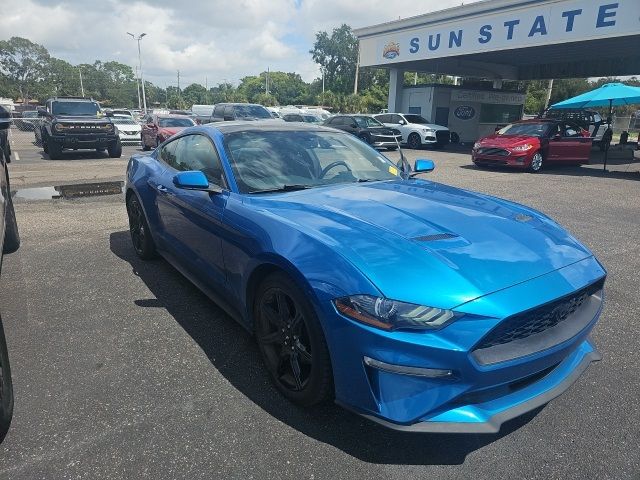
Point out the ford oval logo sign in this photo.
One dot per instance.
(465, 112)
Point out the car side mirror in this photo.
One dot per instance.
(401, 122)
(108, 114)
(194, 180)
(423, 166)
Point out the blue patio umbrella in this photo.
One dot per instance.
(609, 94)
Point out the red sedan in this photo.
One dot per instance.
(529, 144)
(158, 128)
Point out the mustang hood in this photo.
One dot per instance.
(424, 242)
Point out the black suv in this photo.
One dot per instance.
(224, 112)
(77, 123)
(368, 129)
(9, 242)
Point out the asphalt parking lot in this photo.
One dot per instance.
(122, 369)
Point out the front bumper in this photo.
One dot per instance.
(129, 138)
(517, 160)
(475, 397)
(86, 141)
(385, 140)
(488, 417)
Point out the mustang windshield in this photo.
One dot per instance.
(277, 160)
(175, 122)
(533, 129)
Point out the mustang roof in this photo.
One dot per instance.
(265, 125)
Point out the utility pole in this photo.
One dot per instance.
(178, 82)
(138, 88)
(549, 88)
(266, 82)
(81, 85)
(355, 84)
(144, 97)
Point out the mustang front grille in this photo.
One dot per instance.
(541, 327)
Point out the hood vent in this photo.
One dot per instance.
(436, 237)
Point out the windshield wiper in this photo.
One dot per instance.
(363, 180)
(284, 188)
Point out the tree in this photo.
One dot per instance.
(337, 55)
(195, 94)
(23, 62)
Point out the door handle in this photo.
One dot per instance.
(157, 187)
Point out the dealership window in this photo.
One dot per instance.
(496, 113)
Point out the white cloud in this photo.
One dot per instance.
(218, 40)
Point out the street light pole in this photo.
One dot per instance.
(144, 97)
(138, 87)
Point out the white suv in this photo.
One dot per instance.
(416, 130)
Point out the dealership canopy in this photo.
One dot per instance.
(509, 39)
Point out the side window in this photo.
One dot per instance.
(168, 154)
(384, 118)
(335, 121)
(394, 119)
(196, 152)
(228, 111)
(217, 112)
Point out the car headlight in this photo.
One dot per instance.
(58, 127)
(427, 130)
(109, 127)
(476, 145)
(522, 148)
(389, 314)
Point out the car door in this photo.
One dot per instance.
(566, 144)
(193, 219)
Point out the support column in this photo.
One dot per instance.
(396, 82)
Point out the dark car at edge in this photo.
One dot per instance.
(368, 129)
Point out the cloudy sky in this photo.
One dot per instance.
(217, 39)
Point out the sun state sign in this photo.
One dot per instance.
(541, 23)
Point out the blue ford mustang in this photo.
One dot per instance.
(418, 305)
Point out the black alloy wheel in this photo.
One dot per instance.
(414, 141)
(139, 230)
(292, 343)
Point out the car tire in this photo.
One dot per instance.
(414, 141)
(54, 150)
(455, 138)
(536, 162)
(139, 229)
(115, 149)
(6, 386)
(11, 235)
(43, 143)
(291, 342)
